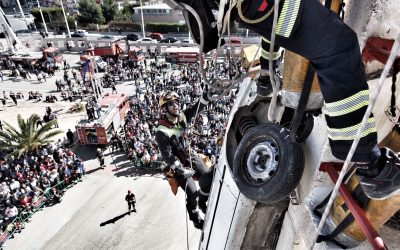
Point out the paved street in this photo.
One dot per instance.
(93, 213)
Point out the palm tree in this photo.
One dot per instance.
(28, 137)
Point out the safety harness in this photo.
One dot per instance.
(174, 132)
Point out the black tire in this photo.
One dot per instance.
(281, 168)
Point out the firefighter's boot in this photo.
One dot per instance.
(264, 86)
(383, 179)
(203, 202)
(198, 222)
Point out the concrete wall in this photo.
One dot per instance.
(373, 18)
(77, 44)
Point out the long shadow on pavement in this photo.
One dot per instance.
(113, 220)
(85, 152)
(118, 158)
(138, 172)
(94, 170)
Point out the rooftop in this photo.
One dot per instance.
(161, 6)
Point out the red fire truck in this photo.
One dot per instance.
(106, 51)
(180, 55)
(50, 55)
(98, 132)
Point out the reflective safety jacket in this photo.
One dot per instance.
(170, 137)
(253, 12)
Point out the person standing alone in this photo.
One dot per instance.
(70, 137)
(130, 198)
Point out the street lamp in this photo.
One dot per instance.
(141, 11)
(41, 14)
(65, 18)
(22, 12)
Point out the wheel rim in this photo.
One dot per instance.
(262, 162)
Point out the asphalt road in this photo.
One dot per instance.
(93, 213)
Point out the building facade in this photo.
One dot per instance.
(158, 13)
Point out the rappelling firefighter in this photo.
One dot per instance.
(183, 167)
(307, 28)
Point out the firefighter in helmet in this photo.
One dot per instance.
(183, 166)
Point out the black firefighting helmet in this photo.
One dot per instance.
(167, 98)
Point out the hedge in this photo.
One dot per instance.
(124, 26)
(166, 27)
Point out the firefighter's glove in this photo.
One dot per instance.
(204, 97)
(181, 170)
(187, 173)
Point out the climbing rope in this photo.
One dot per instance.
(253, 21)
(274, 82)
(225, 85)
(367, 114)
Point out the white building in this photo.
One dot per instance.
(159, 12)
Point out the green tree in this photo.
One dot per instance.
(127, 8)
(124, 17)
(27, 138)
(90, 12)
(109, 9)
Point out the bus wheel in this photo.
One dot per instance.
(267, 165)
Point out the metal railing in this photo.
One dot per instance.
(18, 223)
(81, 44)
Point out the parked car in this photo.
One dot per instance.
(187, 40)
(101, 65)
(106, 37)
(146, 40)
(79, 33)
(19, 15)
(156, 36)
(29, 18)
(234, 40)
(170, 39)
(19, 32)
(132, 37)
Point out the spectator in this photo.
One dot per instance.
(70, 137)
(11, 212)
(114, 88)
(131, 200)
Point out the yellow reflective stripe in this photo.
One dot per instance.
(169, 131)
(266, 40)
(287, 18)
(349, 133)
(348, 105)
(265, 55)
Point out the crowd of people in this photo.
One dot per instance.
(71, 87)
(26, 178)
(141, 122)
(32, 180)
